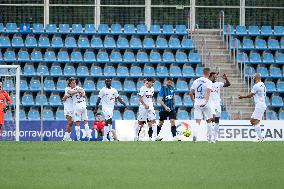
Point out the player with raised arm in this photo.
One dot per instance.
(107, 96)
(146, 112)
(258, 93)
(200, 93)
(215, 101)
(5, 102)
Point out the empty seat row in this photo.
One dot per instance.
(254, 30)
(272, 87)
(257, 58)
(258, 44)
(142, 29)
(275, 101)
(273, 72)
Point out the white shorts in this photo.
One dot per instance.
(258, 113)
(80, 113)
(107, 112)
(203, 112)
(146, 114)
(216, 110)
(68, 112)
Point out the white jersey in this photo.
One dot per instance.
(78, 99)
(215, 95)
(108, 97)
(68, 103)
(259, 91)
(147, 95)
(200, 87)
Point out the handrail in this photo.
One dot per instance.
(221, 22)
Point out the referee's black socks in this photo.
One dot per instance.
(158, 129)
(174, 130)
(150, 132)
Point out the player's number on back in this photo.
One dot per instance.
(199, 88)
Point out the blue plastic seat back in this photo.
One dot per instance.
(155, 29)
(148, 43)
(242, 57)
(248, 44)
(268, 58)
(129, 29)
(69, 71)
(83, 42)
(168, 29)
(182, 86)
(162, 71)
(31, 41)
(8, 85)
(174, 43)
(129, 86)
(157, 86)
(115, 56)
(168, 57)
(35, 85)
(89, 85)
(270, 86)
(8, 116)
(59, 115)
(51, 28)
(61, 84)
(109, 71)
(42, 70)
(135, 71)
(11, 28)
(90, 29)
(175, 71)
(276, 101)
(273, 44)
(97, 42)
(103, 29)
(122, 71)
(181, 57)
(255, 58)
(116, 29)
(76, 56)
(64, 28)
(55, 70)
(142, 29)
(271, 115)
(70, 42)
(17, 42)
(48, 85)
(241, 30)
(23, 56)
(128, 57)
(23, 115)
(116, 115)
(96, 71)
(24, 85)
(279, 30)
(275, 72)
(133, 100)
(142, 57)
(129, 115)
(25, 28)
(33, 115)
(199, 71)
(89, 56)
(5, 42)
(2, 28)
(122, 43)
(27, 100)
(161, 43)
(178, 101)
(135, 43)
(49, 56)
(280, 86)
(155, 57)
(260, 44)
(266, 30)
(281, 115)
(187, 44)
(77, 28)
(187, 101)
(9, 56)
(149, 71)
(225, 115)
(29, 70)
(194, 58)
(57, 42)
(93, 100)
(229, 29)
(117, 85)
(182, 115)
(253, 30)
(279, 57)
(63, 56)
(54, 100)
(82, 71)
(181, 30)
(188, 71)
(100, 84)
(109, 42)
(43, 42)
(263, 71)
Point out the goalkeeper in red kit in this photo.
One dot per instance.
(4, 100)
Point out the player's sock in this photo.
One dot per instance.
(67, 135)
(258, 131)
(154, 130)
(105, 133)
(174, 130)
(159, 129)
(87, 130)
(216, 131)
(96, 133)
(77, 129)
(110, 132)
(209, 131)
(195, 131)
(150, 132)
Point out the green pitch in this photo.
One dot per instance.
(135, 165)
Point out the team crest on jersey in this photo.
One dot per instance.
(171, 91)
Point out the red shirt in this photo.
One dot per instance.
(99, 125)
(4, 96)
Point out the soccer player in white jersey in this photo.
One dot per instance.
(200, 93)
(108, 96)
(258, 93)
(215, 101)
(146, 112)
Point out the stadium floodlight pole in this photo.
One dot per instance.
(41, 109)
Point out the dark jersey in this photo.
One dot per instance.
(167, 94)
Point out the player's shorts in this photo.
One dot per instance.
(80, 113)
(258, 113)
(146, 114)
(216, 110)
(165, 114)
(68, 112)
(2, 115)
(107, 113)
(100, 130)
(203, 112)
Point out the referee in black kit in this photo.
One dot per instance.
(167, 110)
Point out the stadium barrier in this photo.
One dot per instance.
(230, 130)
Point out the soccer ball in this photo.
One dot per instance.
(186, 133)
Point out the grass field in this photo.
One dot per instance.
(137, 165)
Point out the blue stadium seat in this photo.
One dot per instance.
(248, 44)
(266, 30)
(278, 30)
(242, 57)
(8, 116)
(149, 71)
(271, 115)
(91, 115)
(168, 29)
(23, 116)
(263, 71)
(270, 86)
(249, 71)
(63, 56)
(155, 29)
(178, 101)
(142, 29)
(175, 71)
(129, 86)
(43, 42)
(133, 100)
(23, 56)
(17, 42)
(225, 115)
(9, 56)
(70, 42)
(122, 71)
(36, 56)
(55, 70)
(182, 86)
(96, 42)
(5, 42)
(253, 30)
(82, 71)
(29, 70)
(276, 101)
(148, 43)
(128, 57)
(96, 71)
(187, 43)
(281, 115)
(161, 43)
(157, 86)
(181, 30)
(241, 30)
(279, 57)
(109, 42)
(61, 84)
(89, 57)
(109, 71)
(235, 43)
(76, 56)
(24, 85)
(267, 101)
(59, 115)
(229, 29)
(55, 100)
(100, 84)
(117, 85)
(33, 114)
(268, 58)
(187, 101)
(280, 86)
(1, 28)
(162, 71)
(89, 85)
(142, 57)
(135, 71)
(135, 43)
(49, 56)
(48, 85)
(275, 72)
(93, 99)
(90, 29)
(30, 41)
(8, 85)
(194, 58)
(51, 28)
(27, 99)
(155, 57)
(77, 28)
(1, 57)
(181, 57)
(69, 71)
(254, 58)
(11, 28)
(115, 56)
(199, 71)
(140, 83)
(56, 42)
(168, 57)
(273, 44)
(188, 71)
(42, 69)
(129, 29)
(35, 85)
(116, 29)
(182, 115)
(260, 44)
(116, 115)
(122, 43)
(64, 28)
(83, 42)
(174, 43)
(103, 29)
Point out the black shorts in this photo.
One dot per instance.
(165, 114)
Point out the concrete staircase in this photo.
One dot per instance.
(217, 57)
